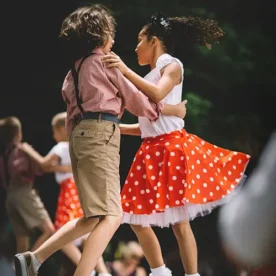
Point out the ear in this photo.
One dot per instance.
(154, 41)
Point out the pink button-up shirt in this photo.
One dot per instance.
(105, 90)
(20, 168)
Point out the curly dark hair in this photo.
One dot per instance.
(180, 35)
(87, 28)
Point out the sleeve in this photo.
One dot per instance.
(166, 59)
(57, 150)
(135, 101)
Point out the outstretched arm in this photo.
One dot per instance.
(171, 76)
(49, 163)
(130, 129)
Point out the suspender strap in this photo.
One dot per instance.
(75, 74)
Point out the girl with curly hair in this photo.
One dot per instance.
(175, 176)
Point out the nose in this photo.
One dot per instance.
(113, 41)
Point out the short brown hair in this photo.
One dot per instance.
(59, 120)
(87, 28)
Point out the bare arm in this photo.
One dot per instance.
(178, 110)
(49, 163)
(130, 129)
(171, 76)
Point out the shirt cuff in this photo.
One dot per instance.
(159, 108)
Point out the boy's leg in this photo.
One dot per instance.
(47, 229)
(187, 246)
(96, 244)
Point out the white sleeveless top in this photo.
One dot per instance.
(164, 124)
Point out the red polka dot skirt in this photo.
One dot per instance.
(68, 207)
(178, 176)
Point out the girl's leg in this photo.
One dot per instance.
(72, 252)
(149, 244)
(47, 229)
(22, 243)
(187, 246)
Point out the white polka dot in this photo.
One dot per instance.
(127, 204)
(139, 207)
(172, 153)
(237, 180)
(155, 188)
(150, 167)
(204, 156)
(160, 173)
(228, 192)
(150, 201)
(131, 212)
(197, 148)
(147, 147)
(185, 185)
(198, 191)
(232, 186)
(193, 195)
(181, 192)
(178, 168)
(167, 196)
(174, 177)
(247, 156)
(229, 172)
(140, 152)
(198, 176)
(235, 153)
(218, 188)
(209, 151)
(156, 206)
(177, 146)
(221, 154)
(198, 161)
(138, 168)
(153, 211)
(193, 152)
(177, 202)
(134, 198)
(158, 184)
(167, 143)
(187, 200)
(182, 158)
(187, 157)
(193, 181)
(204, 170)
(148, 156)
(218, 170)
(147, 191)
(189, 187)
(211, 179)
(129, 189)
(239, 161)
(167, 206)
(234, 167)
(161, 139)
(170, 188)
(169, 163)
(211, 165)
(215, 146)
(221, 183)
(185, 145)
(225, 178)
(160, 164)
(193, 167)
(211, 194)
(190, 171)
(142, 192)
(124, 197)
(152, 177)
(144, 176)
(131, 174)
(136, 183)
(202, 143)
(230, 159)
(157, 195)
(205, 185)
(190, 140)
(204, 199)
(157, 153)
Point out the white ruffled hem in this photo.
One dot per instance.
(179, 214)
